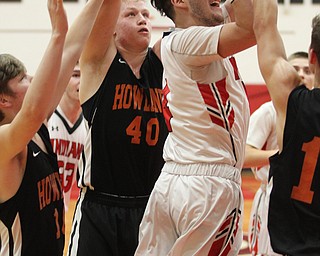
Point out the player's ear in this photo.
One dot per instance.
(312, 60)
(312, 56)
(4, 101)
(179, 3)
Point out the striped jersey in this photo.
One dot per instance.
(205, 105)
(67, 140)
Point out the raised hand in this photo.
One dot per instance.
(58, 17)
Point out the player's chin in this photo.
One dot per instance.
(144, 42)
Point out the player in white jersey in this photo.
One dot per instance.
(196, 205)
(67, 133)
(261, 135)
(261, 144)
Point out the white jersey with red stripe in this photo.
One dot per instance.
(205, 105)
(67, 140)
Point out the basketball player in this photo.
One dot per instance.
(294, 207)
(261, 144)
(196, 205)
(121, 104)
(31, 199)
(67, 133)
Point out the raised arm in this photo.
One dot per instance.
(76, 38)
(99, 49)
(280, 77)
(238, 35)
(15, 136)
(227, 11)
(230, 38)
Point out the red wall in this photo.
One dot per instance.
(257, 95)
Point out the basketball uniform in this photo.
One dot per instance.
(261, 135)
(122, 158)
(32, 221)
(294, 208)
(67, 140)
(196, 205)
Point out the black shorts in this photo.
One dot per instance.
(106, 225)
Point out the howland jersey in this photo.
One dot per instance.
(294, 209)
(123, 152)
(67, 140)
(32, 221)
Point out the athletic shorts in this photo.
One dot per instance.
(194, 209)
(105, 224)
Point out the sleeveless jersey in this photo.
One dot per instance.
(67, 140)
(205, 105)
(294, 209)
(32, 221)
(123, 151)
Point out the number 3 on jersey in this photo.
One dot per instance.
(152, 133)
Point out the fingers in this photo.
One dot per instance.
(55, 4)
(58, 16)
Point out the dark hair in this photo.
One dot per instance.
(164, 7)
(315, 36)
(296, 55)
(10, 67)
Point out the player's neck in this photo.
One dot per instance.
(71, 111)
(134, 59)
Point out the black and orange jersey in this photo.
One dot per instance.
(294, 210)
(123, 152)
(32, 221)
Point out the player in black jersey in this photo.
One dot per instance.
(294, 208)
(31, 198)
(120, 92)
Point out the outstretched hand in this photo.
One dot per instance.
(58, 17)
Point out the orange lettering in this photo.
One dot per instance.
(137, 97)
(41, 189)
(117, 104)
(303, 191)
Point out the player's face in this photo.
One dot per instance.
(19, 86)
(301, 65)
(72, 89)
(133, 30)
(206, 12)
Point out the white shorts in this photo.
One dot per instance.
(194, 209)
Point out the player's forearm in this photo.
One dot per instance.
(45, 80)
(243, 14)
(257, 157)
(76, 38)
(227, 11)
